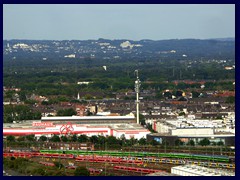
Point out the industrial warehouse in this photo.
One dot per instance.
(88, 125)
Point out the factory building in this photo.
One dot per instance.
(89, 125)
(227, 139)
(91, 119)
(194, 131)
(187, 129)
(194, 170)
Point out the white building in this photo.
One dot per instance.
(90, 125)
(194, 170)
(192, 131)
(70, 56)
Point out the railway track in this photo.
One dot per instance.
(204, 151)
(122, 160)
(116, 166)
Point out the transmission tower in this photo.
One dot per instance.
(137, 89)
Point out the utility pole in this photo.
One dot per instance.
(137, 89)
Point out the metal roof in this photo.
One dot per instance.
(202, 171)
(56, 118)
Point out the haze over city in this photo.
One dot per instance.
(119, 21)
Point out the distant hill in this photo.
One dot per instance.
(224, 39)
(220, 48)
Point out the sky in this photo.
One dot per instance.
(115, 21)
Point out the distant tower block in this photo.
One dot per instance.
(137, 89)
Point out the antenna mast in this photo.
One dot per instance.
(137, 89)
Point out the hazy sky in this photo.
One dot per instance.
(130, 21)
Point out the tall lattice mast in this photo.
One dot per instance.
(137, 89)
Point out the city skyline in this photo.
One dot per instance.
(125, 21)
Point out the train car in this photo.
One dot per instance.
(46, 163)
(144, 154)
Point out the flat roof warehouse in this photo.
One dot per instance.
(62, 118)
(88, 125)
(91, 119)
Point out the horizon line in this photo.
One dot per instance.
(119, 39)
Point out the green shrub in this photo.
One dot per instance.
(81, 171)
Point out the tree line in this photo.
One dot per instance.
(108, 142)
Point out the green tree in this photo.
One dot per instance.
(43, 138)
(94, 139)
(82, 138)
(181, 113)
(178, 142)
(19, 113)
(36, 115)
(9, 94)
(102, 140)
(204, 142)
(53, 101)
(167, 95)
(195, 94)
(21, 138)
(30, 101)
(230, 99)
(64, 139)
(45, 103)
(159, 95)
(178, 93)
(191, 143)
(112, 140)
(182, 99)
(88, 96)
(219, 117)
(142, 119)
(62, 99)
(182, 86)
(55, 138)
(66, 112)
(58, 165)
(81, 171)
(22, 96)
(154, 142)
(74, 138)
(133, 141)
(220, 143)
(30, 137)
(149, 127)
(11, 138)
(142, 141)
(214, 143)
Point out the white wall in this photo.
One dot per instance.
(193, 131)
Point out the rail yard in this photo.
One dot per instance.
(123, 163)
